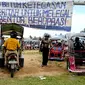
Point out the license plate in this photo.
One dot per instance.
(12, 62)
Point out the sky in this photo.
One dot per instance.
(78, 19)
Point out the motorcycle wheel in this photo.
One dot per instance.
(12, 73)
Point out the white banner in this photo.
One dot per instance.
(42, 15)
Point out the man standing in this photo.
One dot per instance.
(45, 51)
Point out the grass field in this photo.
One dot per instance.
(65, 78)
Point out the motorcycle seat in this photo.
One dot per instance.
(12, 54)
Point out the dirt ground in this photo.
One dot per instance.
(32, 67)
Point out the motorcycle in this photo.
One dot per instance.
(12, 63)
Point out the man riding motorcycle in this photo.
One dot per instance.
(11, 45)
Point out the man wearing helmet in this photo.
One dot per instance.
(77, 44)
(45, 51)
(11, 45)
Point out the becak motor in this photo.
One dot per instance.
(76, 57)
(56, 51)
(11, 53)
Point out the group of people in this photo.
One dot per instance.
(12, 45)
(45, 43)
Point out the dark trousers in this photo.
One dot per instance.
(45, 53)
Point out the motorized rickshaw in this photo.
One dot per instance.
(76, 56)
(6, 28)
(57, 51)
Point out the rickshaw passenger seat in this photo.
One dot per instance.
(77, 46)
